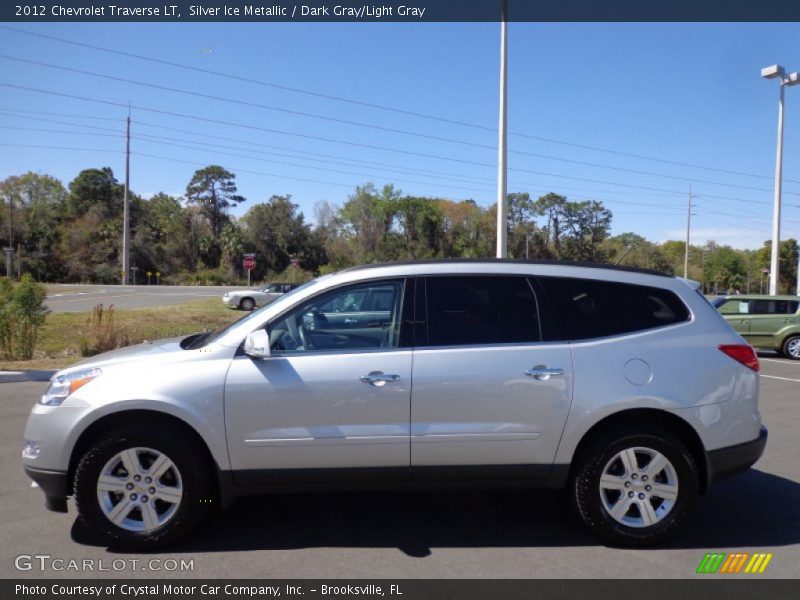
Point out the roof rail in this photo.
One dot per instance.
(565, 263)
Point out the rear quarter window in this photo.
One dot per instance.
(590, 308)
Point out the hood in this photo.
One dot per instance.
(144, 350)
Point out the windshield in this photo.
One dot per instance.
(206, 339)
(270, 287)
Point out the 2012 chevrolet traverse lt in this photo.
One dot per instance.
(625, 387)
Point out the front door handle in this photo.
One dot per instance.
(543, 372)
(379, 378)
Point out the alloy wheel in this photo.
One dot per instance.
(638, 487)
(139, 489)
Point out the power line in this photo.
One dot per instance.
(57, 114)
(383, 107)
(279, 162)
(40, 129)
(377, 127)
(350, 160)
(370, 146)
(60, 148)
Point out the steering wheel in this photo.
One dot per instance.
(301, 330)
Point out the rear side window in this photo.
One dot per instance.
(773, 307)
(590, 308)
(474, 310)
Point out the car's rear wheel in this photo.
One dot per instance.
(634, 487)
(791, 347)
(247, 304)
(142, 487)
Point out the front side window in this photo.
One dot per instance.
(734, 307)
(358, 317)
(473, 310)
(591, 308)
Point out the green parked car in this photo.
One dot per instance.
(766, 322)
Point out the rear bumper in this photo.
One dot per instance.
(729, 461)
(54, 486)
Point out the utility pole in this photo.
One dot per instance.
(688, 228)
(502, 208)
(9, 250)
(125, 209)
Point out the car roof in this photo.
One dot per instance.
(507, 261)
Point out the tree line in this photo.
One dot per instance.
(73, 233)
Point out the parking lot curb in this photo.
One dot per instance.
(21, 376)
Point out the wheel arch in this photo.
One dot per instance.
(146, 417)
(651, 416)
(785, 338)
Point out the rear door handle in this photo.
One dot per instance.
(379, 378)
(543, 372)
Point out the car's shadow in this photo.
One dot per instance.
(752, 510)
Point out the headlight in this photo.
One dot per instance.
(62, 386)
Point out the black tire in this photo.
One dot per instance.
(196, 474)
(785, 350)
(585, 484)
(247, 304)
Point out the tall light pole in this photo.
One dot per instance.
(502, 208)
(779, 73)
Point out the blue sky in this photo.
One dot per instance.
(688, 93)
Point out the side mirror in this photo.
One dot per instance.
(256, 344)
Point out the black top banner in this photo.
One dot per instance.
(416, 11)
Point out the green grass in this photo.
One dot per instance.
(59, 340)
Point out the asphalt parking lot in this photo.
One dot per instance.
(82, 298)
(430, 535)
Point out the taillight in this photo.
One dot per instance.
(742, 353)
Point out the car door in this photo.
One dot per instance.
(490, 399)
(737, 313)
(769, 317)
(325, 405)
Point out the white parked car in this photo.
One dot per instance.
(250, 299)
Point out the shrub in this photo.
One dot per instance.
(103, 334)
(22, 314)
(6, 338)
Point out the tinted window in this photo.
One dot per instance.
(358, 317)
(773, 307)
(481, 310)
(590, 308)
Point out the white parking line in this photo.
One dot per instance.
(782, 362)
(98, 297)
(782, 378)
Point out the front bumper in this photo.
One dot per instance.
(54, 486)
(729, 461)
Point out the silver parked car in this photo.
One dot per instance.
(624, 387)
(252, 298)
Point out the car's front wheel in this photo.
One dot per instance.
(791, 347)
(247, 304)
(142, 487)
(634, 488)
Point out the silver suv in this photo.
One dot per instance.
(623, 386)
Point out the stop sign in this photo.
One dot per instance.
(249, 263)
